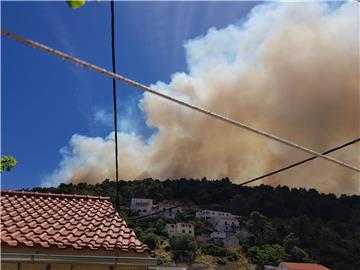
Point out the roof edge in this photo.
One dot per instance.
(99, 260)
(49, 194)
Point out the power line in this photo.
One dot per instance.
(114, 101)
(183, 103)
(300, 162)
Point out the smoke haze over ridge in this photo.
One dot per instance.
(291, 69)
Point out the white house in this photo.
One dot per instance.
(182, 228)
(169, 211)
(141, 206)
(207, 214)
(225, 223)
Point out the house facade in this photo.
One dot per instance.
(68, 232)
(207, 214)
(179, 228)
(141, 206)
(225, 223)
(169, 211)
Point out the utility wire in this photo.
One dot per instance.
(299, 163)
(114, 100)
(183, 103)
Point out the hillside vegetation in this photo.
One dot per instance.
(287, 224)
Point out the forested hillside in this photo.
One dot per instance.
(288, 224)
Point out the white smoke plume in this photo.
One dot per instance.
(291, 69)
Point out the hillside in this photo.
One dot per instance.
(287, 224)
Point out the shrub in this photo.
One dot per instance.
(150, 239)
(183, 247)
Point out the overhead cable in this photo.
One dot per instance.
(117, 202)
(300, 162)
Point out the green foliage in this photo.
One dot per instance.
(149, 238)
(262, 228)
(267, 254)
(217, 251)
(183, 247)
(7, 163)
(214, 250)
(163, 262)
(75, 4)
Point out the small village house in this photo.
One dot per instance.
(179, 228)
(207, 214)
(227, 241)
(296, 266)
(44, 231)
(141, 206)
(225, 223)
(169, 211)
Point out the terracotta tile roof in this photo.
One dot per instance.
(58, 220)
(304, 266)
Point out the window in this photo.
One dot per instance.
(183, 231)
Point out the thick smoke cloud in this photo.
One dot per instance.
(290, 69)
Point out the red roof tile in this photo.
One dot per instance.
(63, 220)
(304, 266)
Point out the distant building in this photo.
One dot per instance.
(182, 228)
(296, 266)
(218, 235)
(231, 242)
(228, 241)
(207, 214)
(141, 206)
(225, 223)
(169, 211)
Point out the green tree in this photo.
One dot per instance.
(7, 163)
(266, 254)
(151, 239)
(74, 4)
(183, 247)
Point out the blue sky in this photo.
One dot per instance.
(46, 100)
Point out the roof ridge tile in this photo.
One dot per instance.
(49, 194)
